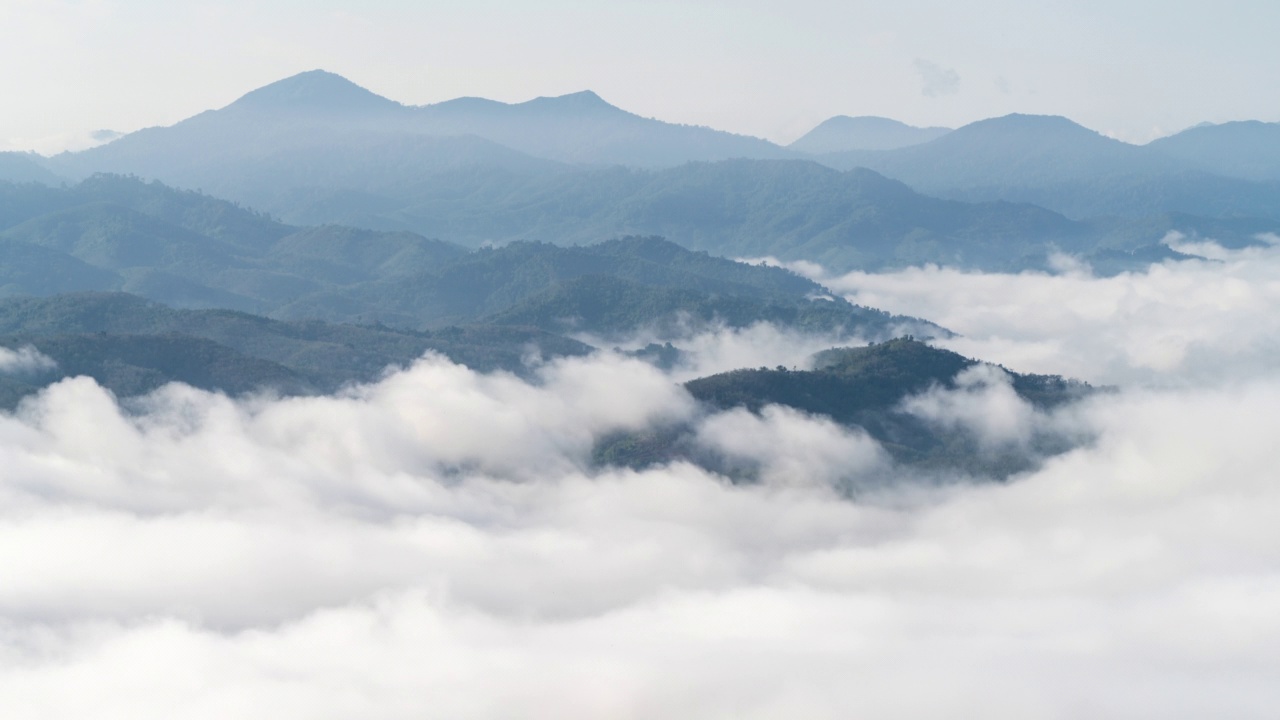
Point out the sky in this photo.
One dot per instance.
(1134, 70)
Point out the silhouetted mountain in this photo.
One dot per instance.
(1057, 164)
(843, 133)
(1248, 149)
(861, 387)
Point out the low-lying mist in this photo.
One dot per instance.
(439, 543)
(1189, 322)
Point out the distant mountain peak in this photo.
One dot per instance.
(1030, 122)
(864, 120)
(843, 133)
(1033, 129)
(578, 102)
(314, 90)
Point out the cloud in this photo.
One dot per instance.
(24, 360)
(1176, 323)
(791, 448)
(438, 541)
(983, 401)
(935, 80)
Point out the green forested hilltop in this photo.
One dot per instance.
(861, 387)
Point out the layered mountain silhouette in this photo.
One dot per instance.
(112, 233)
(1003, 193)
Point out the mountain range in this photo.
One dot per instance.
(1057, 164)
(1005, 193)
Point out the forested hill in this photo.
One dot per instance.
(846, 383)
(863, 387)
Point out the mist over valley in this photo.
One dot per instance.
(320, 404)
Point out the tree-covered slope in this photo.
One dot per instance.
(865, 388)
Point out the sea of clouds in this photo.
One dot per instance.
(438, 544)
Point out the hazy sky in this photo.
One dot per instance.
(1135, 70)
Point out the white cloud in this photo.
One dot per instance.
(25, 359)
(936, 80)
(983, 401)
(792, 448)
(1176, 323)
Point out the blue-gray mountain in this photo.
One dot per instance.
(843, 133)
(1057, 164)
(1247, 149)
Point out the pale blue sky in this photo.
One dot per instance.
(1135, 70)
